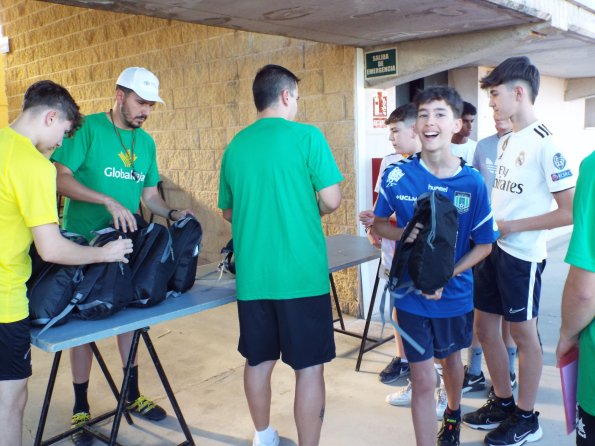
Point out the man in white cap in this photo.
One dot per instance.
(105, 170)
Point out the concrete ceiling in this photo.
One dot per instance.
(374, 23)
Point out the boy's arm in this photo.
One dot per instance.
(550, 220)
(472, 258)
(54, 248)
(385, 229)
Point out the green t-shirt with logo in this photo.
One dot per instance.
(270, 173)
(103, 162)
(581, 253)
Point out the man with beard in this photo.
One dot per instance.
(104, 171)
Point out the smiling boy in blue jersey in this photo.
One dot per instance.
(442, 322)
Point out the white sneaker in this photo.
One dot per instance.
(401, 397)
(275, 441)
(441, 401)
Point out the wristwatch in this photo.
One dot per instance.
(169, 214)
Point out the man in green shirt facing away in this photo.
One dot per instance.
(278, 177)
(578, 301)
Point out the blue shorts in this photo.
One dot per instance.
(440, 337)
(299, 331)
(508, 286)
(15, 350)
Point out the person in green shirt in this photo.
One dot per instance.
(29, 214)
(578, 301)
(278, 177)
(104, 171)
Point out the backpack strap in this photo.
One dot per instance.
(402, 332)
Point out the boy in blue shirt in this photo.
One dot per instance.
(442, 323)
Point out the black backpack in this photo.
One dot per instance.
(50, 287)
(107, 287)
(186, 235)
(152, 265)
(94, 291)
(430, 259)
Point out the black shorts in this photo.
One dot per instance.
(299, 331)
(440, 337)
(508, 286)
(15, 350)
(585, 428)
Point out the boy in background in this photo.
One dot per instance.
(530, 171)
(401, 125)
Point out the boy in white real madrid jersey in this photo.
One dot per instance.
(443, 322)
(530, 171)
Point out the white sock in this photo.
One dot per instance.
(265, 436)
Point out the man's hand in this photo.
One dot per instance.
(564, 346)
(123, 218)
(181, 214)
(117, 250)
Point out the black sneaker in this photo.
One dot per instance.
(81, 437)
(472, 383)
(395, 370)
(515, 431)
(147, 409)
(513, 384)
(489, 416)
(449, 433)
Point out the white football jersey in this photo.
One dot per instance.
(529, 168)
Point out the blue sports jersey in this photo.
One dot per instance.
(401, 184)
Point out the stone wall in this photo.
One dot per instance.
(206, 76)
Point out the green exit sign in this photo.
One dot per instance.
(381, 63)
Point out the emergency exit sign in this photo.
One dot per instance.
(381, 63)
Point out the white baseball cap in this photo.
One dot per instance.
(142, 82)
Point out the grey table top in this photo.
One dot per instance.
(345, 251)
(208, 292)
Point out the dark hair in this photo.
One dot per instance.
(52, 95)
(126, 90)
(441, 93)
(405, 112)
(268, 84)
(513, 69)
(468, 109)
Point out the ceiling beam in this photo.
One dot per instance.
(579, 88)
(421, 58)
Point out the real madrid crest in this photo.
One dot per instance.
(520, 159)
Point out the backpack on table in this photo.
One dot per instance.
(186, 235)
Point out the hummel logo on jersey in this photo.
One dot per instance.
(511, 311)
(518, 438)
